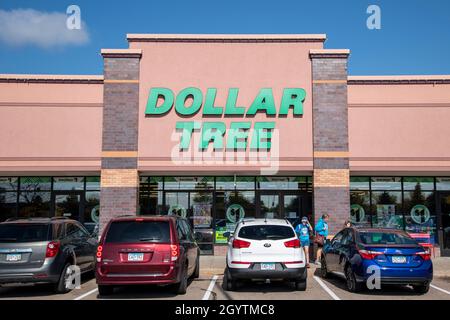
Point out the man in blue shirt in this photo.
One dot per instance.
(303, 230)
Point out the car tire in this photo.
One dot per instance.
(228, 284)
(350, 278)
(421, 289)
(300, 285)
(105, 290)
(60, 286)
(196, 273)
(181, 287)
(323, 268)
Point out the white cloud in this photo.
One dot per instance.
(44, 29)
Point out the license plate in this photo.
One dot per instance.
(13, 257)
(267, 266)
(398, 259)
(135, 257)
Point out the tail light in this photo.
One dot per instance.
(425, 255)
(99, 253)
(369, 255)
(52, 249)
(292, 243)
(239, 244)
(174, 252)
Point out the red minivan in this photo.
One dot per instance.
(147, 250)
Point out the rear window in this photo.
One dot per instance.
(24, 232)
(134, 231)
(266, 232)
(385, 238)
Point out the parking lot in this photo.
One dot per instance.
(209, 287)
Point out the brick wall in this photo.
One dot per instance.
(330, 136)
(119, 174)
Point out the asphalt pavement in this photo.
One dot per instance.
(209, 287)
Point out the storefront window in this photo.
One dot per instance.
(8, 184)
(151, 203)
(188, 183)
(359, 183)
(386, 183)
(8, 205)
(35, 183)
(387, 209)
(443, 184)
(34, 204)
(425, 183)
(92, 208)
(420, 211)
(68, 183)
(281, 183)
(360, 208)
(238, 183)
(232, 206)
(92, 183)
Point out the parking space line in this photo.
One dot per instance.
(440, 289)
(328, 290)
(210, 288)
(86, 294)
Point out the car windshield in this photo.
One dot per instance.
(24, 232)
(266, 232)
(138, 231)
(385, 238)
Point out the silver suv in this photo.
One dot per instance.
(42, 250)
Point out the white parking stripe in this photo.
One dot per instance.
(210, 288)
(86, 294)
(328, 290)
(440, 289)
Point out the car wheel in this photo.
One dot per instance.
(323, 268)
(352, 284)
(61, 286)
(181, 287)
(422, 289)
(300, 285)
(196, 273)
(105, 290)
(228, 284)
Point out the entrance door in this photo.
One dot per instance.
(67, 204)
(289, 205)
(443, 209)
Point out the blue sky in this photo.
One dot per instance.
(414, 36)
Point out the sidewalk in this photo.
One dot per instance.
(211, 265)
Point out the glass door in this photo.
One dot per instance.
(443, 207)
(269, 205)
(67, 204)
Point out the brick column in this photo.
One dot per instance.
(330, 131)
(119, 174)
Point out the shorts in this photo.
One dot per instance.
(305, 243)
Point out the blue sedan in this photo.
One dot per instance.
(360, 254)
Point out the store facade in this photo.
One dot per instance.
(221, 127)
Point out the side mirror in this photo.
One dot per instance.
(327, 242)
(227, 234)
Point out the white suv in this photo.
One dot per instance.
(264, 249)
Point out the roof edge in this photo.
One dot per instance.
(148, 37)
(400, 79)
(51, 78)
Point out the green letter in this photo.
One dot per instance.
(212, 131)
(196, 96)
(154, 95)
(209, 108)
(263, 101)
(262, 135)
(237, 135)
(292, 97)
(231, 108)
(188, 127)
